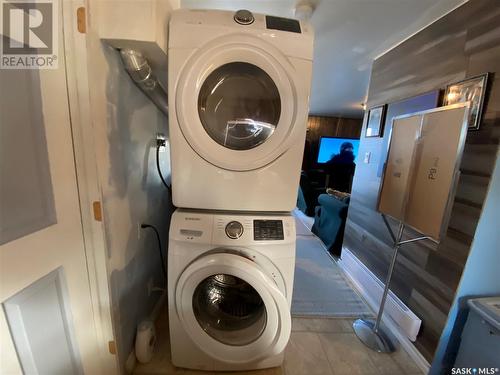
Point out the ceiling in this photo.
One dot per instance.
(350, 34)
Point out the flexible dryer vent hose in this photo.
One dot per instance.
(141, 73)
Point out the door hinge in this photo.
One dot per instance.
(97, 210)
(112, 347)
(81, 20)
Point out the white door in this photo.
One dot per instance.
(236, 103)
(232, 309)
(46, 320)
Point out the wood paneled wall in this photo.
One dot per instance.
(322, 126)
(464, 43)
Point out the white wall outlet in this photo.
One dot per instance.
(366, 160)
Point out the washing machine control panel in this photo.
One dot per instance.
(249, 229)
(265, 230)
(234, 229)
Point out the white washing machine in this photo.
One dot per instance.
(230, 280)
(238, 89)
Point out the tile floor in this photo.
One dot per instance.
(317, 347)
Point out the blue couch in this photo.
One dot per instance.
(329, 221)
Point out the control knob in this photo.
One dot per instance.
(244, 17)
(234, 229)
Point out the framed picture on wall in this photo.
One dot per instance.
(375, 122)
(473, 90)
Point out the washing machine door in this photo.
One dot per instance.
(232, 309)
(236, 103)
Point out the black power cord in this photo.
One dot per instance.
(160, 143)
(159, 247)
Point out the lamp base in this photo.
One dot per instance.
(376, 341)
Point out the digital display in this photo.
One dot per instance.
(283, 24)
(332, 148)
(264, 230)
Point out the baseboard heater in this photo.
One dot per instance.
(371, 288)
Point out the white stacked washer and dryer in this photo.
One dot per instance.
(238, 89)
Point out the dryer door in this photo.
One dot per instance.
(231, 309)
(239, 106)
(236, 103)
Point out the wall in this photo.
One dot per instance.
(125, 124)
(480, 276)
(322, 126)
(464, 43)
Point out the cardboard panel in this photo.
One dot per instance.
(422, 168)
(397, 174)
(435, 162)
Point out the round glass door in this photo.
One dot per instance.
(239, 106)
(229, 310)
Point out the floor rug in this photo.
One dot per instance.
(320, 288)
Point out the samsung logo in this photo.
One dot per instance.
(192, 218)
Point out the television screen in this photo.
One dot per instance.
(331, 146)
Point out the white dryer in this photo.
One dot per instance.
(238, 89)
(230, 280)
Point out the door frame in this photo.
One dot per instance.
(89, 190)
